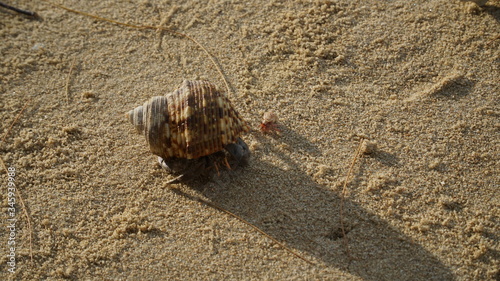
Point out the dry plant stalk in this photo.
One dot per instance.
(342, 199)
(68, 78)
(217, 207)
(25, 211)
(283, 246)
(15, 120)
(183, 35)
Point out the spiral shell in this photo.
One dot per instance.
(194, 121)
(269, 117)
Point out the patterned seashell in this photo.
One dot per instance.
(194, 121)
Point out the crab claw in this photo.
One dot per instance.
(239, 151)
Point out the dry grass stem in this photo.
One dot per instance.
(343, 196)
(25, 211)
(183, 35)
(68, 78)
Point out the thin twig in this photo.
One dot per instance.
(28, 220)
(210, 56)
(15, 120)
(174, 179)
(25, 210)
(342, 199)
(68, 78)
(215, 206)
(20, 11)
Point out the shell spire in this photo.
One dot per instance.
(193, 121)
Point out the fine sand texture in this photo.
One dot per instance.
(417, 83)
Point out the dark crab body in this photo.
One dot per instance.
(188, 127)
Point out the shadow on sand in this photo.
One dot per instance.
(291, 207)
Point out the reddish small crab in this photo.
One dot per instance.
(269, 123)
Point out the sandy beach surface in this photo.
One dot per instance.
(418, 82)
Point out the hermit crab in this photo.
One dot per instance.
(191, 128)
(269, 123)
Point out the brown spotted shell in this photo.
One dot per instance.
(194, 121)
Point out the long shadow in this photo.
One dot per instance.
(494, 11)
(288, 205)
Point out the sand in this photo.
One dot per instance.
(418, 82)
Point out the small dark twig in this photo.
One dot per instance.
(20, 11)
